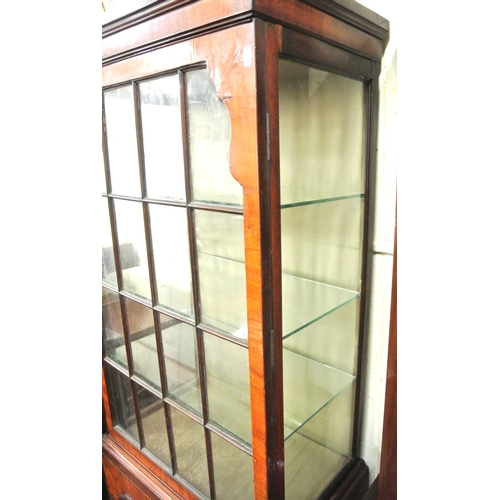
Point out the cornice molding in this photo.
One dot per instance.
(355, 14)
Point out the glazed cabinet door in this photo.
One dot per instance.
(179, 135)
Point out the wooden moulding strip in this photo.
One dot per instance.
(140, 475)
(170, 26)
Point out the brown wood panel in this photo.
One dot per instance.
(354, 13)
(173, 25)
(119, 484)
(123, 475)
(303, 17)
(165, 26)
(388, 461)
(316, 52)
(266, 346)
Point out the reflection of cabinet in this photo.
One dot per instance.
(238, 152)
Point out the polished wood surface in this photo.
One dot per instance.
(124, 475)
(192, 19)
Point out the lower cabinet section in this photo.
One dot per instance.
(124, 480)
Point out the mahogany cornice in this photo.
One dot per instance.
(344, 23)
(355, 14)
(140, 15)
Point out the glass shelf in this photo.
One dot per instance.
(291, 198)
(309, 386)
(306, 301)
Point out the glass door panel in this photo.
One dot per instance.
(221, 260)
(162, 138)
(141, 332)
(122, 141)
(132, 248)
(154, 426)
(228, 386)
(176, 322)
(170, 239)
(209, 140)
(233, 471)
(108, 257)
(112, 324)
(121, 402)
(322, 171)
(181, 361)
(190, 451)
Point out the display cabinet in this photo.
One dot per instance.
(237, 195)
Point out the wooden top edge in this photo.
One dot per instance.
(349, 11)
(137, 12)
(355, 14)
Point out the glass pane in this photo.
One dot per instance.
(143, 341)
(162, 138)
(122, 141)
(190, 449)
(154, 425)
(325, 439)
(322, 175)
(169, 231)
(324, 242)
(308, 387)
(228, 386)
(132, 241)
(179, 349)
(221, 258)
(114, 340)
(330, 340)
(122, 405)
(103, 175)
(322, 134)
(209, 142)
(321, 260)
(108, 257)
(233, 470)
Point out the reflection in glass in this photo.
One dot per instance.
(172, 257)
(143, 341)
(108, 257)
(330, 340)
(114, 340)
(324, 242)
(322, 176)
(322, 134)
(133, 255)
(179, 349)
(162, 138)
(308, 387)
(233, 471)
(221, 258)
(154, 425)
(122, 141)
(190, 450)
(209, 142)
(122, 405)
(325, 439)
(228, 386)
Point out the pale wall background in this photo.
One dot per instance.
(376, 354)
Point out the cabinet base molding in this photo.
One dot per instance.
(124, 475)
(352, 485)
